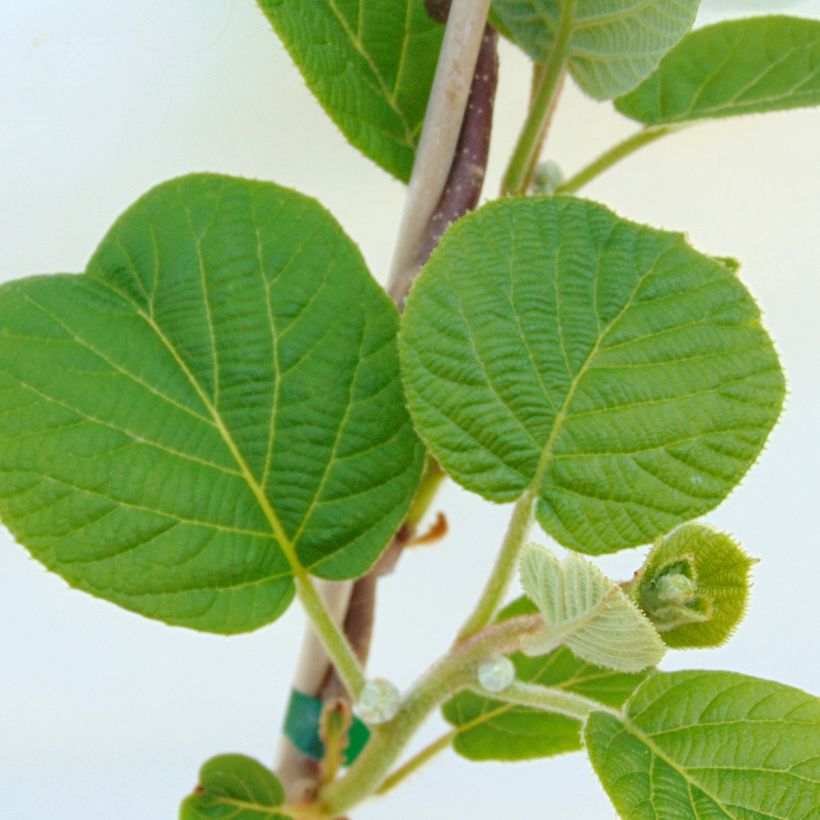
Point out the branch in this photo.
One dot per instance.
(548, 699)
(439, 137)
(498, 583)
(542, 106)
(457, 670)
(457, 191)
(614, 155)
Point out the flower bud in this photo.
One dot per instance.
(379, 701)
(496, 675)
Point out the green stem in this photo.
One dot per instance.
(428, 487)
(545, 698)
(498, 583)
(336, 645)
(455, 671)
(417, 761)
(548, 699)
(614, 155)
(517, 176)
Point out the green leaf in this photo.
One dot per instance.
(235, 787)
(612, 46)
(587, 612)
(732, 68)
(550, 347)
(488, 729)
(370, 64)
(214, 405)
(694, 586)
(710, 744)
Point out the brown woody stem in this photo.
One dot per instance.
(458, 193)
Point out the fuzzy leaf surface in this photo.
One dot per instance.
(213, 403)
(728, 69)
(587, 612)
(612, 45)
(718, 571)
(370, 63)
(489, 729)
(710, 744)
(234, 787)
(608, 368)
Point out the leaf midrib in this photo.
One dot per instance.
(658, 752)
(388, 95)
(258, 808)
(533, 489)
(284, 542)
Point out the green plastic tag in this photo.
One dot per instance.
(302, 728)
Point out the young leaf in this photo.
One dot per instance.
(612, 46)
(710, 744)
(587, 612)
(370, 64)
(214, 405)
(550, 347)
(235, 787)
(488, 729)
(732, 68)
(694, 586)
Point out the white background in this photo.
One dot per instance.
(106, 715)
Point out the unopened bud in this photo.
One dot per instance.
(674, 588)
(496, 675)
(379, 701)
(547, 178)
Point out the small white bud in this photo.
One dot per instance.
(496, 675)
(547, 178)
(379, 701)
(674, 588)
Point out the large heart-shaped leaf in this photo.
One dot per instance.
(487, 729)
(370, 64)
(710, 744)
(235, 787)
(587, 612)
(611, 45)
(732, 68)
(606, 368)
(213, 406)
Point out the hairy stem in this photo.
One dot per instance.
(545, 698)
(455, 671)
(536, 154)
(614, 155)
(548, 699)
(525, 155)
(335, 643)
(498, 583)
(417, 761)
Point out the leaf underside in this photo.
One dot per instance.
(219, 389)
(587, 612)
(488, 729)
(370, 63)
(606, 367)
(728, 69)
(612, 46)
(710, 744)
